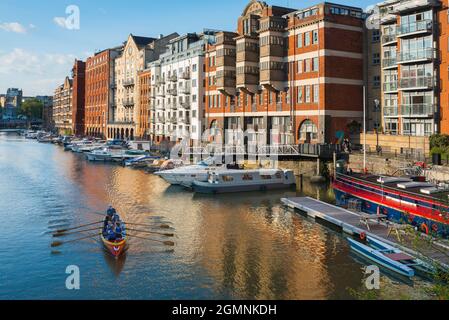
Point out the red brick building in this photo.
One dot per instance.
(287, 76)
(78, 93)
(98, 83)
(144, 104)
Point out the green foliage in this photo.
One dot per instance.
(439, 141)
(32, 109)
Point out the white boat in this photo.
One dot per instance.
(225, 181)
(186, 175)
(103, 154)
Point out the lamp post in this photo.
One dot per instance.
(376, 104)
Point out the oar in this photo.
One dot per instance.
(162, 226)
(79, 227)
(167, 243)
(152, 232)
(61, 234)
(59, 243)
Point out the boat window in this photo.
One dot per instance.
(278, 175)
(265, 177)
(227, 178)
(247, 176)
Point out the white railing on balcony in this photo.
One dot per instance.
(390, 86)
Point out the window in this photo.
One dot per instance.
(299, 66)
(247, 177)
(308, 63)
(307, 39)
(315, 36)
(308, 131)
(265, 177)
(376, 58)
(316, 93)
(307, 94)
(227, 178)
(299, 95)
(375, 36)
(376, 81)
(299, 40)
(315, 64)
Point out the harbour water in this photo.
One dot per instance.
(235, 246)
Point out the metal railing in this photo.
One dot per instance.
(390, 86)
(423, 54)
(391, 111)
(389, 62)
(129, 82)
(417, 110)
(417, 82)
(418, 26)
(386, 38)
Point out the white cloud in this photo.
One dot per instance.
(60, 21)
(36, 73)
(13, 27)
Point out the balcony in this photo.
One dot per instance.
(425, 110)
(389, 39)
(417, 27)
(127, 103)
(417, 83)
(160, 106)
(184, 90)
(186, 104)
(390, 87)
(185, 75)
(173, 120)
(173, 78)
(128, 83)
(172, 91)
(390, 111)
(160, 119)
(172, 105)
(427, 54)
(160, 93)
(160, 81)
(184, 120)
(276, 50)
(389, 63)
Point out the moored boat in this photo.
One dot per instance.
(226, 181)
(389, 257)
(407, 199)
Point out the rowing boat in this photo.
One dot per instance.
(117, 247)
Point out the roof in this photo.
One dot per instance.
(142, 41)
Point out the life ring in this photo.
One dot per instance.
(435, 227)
(362, 236)
(425, 228)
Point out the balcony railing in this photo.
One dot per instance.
(390, 86)
(388, 38)
(173, 120)
(417, 55)
(422, 83)
(172, 91)
(391, 111)
(417, 110)
(173, 78)
(415, 27)
(185, 104)
(160, 119)
(185, 75)
(128, 103)
(160, 81)
(184, 90)
(184, 120)
(129, 82)
(389, 62)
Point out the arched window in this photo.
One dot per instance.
(308, 131)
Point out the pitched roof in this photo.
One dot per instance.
(142, 41)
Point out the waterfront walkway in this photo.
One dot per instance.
(350, 222)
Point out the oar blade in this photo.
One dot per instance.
(56, 244)
(169, 243)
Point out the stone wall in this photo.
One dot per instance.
(437, 174)
(377, 164)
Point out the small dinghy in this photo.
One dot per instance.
(389, 257)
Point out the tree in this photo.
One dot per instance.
(32, 109)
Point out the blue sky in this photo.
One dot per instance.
(36, 52)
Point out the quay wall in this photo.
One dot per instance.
(377, 164)
(437, 174)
